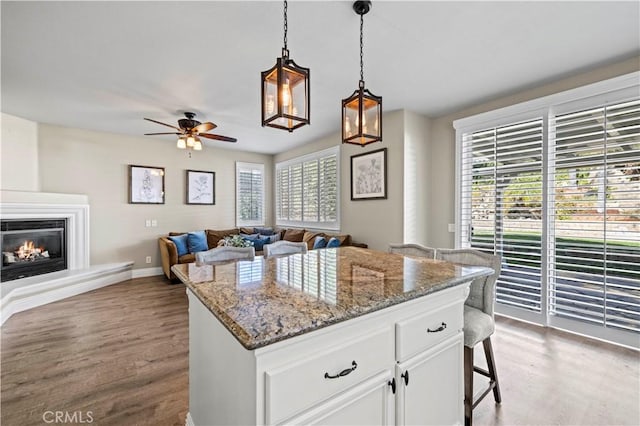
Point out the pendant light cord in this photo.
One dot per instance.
(361, 44)
(285, 25)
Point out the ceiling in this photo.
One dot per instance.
(105, 65)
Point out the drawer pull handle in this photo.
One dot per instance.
(442, 327)
(344, 372)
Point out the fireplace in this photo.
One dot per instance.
(32, 247)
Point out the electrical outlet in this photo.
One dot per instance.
(147, 223)
(154, 223)
(148, 259)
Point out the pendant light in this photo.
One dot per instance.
(362, 111)
(285, 91)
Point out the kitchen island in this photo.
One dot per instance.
(333, 336)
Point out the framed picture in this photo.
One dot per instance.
(146, 185)
(369, 175)
(201, 187)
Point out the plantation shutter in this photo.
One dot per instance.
(501, 206)
(307, 191)
(594, 272)
(249, 194)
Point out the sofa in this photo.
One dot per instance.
(169, 251)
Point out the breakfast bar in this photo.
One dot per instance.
(333, 336)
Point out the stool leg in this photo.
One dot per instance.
(491, 364)
(468, 385)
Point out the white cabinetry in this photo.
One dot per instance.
(341, 374)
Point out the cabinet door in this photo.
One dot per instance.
(434, 394)
(368, 403)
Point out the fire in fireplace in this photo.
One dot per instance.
(32, 247)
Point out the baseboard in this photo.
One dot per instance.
(69, 284)
(146, 272)
(189, 421)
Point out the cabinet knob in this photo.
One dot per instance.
(442, 327)
(392, 383)
(344, 372)
(405, 376)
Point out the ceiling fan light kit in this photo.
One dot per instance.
(190, 131)
(362, 111)
(285, 91)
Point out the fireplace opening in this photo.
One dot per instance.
(32, 247)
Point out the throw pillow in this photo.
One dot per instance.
(333, 242)
(243, 235)
(258, 243)
(213, 236)
(272, 238)
(294, 235)
(309, 237)
(181, 243)
(264, 231)
(197, 241)
(319, 243)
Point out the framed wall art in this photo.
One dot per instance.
(146, 185)
(369, 175)
(201, 187)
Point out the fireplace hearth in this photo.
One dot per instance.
(32, 247)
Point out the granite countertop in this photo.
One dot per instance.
(268, 300)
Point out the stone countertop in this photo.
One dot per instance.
(268, 300)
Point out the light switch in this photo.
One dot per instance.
(147, 223)
(154, 223)
(452, 227)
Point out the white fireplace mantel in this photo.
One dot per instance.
(79, 277)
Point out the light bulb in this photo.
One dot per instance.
(375, 125)
(197, 146)
(286, 94)
(190, 141)
(181, 143)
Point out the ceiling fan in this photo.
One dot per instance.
(190, 131)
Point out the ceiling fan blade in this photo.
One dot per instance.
(204, 127)
(169, 133)
(218, 137)
(164, 124)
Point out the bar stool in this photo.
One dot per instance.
(479, 323)
(413, 250)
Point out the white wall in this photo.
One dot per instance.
(442, 144)
(96, 164)
(416, 178)
(19, 154)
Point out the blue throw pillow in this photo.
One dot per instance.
(197, 241)
(272, 238)
(258, 243)
(181, 243)
(249, 235)
(264, 231)
(319, 243)
(333, 242)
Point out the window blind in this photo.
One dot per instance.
(501, 205)
(249, 194)
(594, 270)
(307, 191)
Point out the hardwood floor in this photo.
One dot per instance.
(121, 352)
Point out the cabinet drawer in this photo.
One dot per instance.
(291, 389)
(418, 333)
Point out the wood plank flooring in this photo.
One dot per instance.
(121, 352)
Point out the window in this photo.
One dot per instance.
(307, 190)
(249, 194)
(553, 186)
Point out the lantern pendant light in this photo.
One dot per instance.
(362, 111)
(285, 91)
